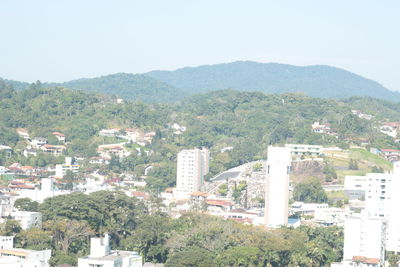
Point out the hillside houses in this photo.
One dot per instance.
(23, 133)
(60, 137)
(362, 115)
(324, 129)
(53, 149)
(390, 128)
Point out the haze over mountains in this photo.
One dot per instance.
(170, 86)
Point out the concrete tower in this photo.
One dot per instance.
(277, 186)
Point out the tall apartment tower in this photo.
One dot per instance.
(192, 166)
(382, 200)
(364, 236)
(277, 186)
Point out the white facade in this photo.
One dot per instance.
(28, 219)
(102, 256)
(364, 236)
(355, 186)
(18, 257)
(277, 186)
(192, 165)
(382, 200)
(6, 242)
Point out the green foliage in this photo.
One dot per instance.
(376, 169)
(329, 171)
(316, 81)
(26, 204)
(310, 191)
(257, 167)
(353, 165)
(192, 257)
(34, 238)
(223, 189)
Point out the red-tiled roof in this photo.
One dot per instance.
(22, 186)
(59, 134)
(389, 150)
(216, 202)
(199, 194)
(365, 260)
(140, 194)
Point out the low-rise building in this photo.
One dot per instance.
(60, 137)
(28, 219)
(101, 255)
(13, 257)
(38, 142)
(69, 165)
(304, 150)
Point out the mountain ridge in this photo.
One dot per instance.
(162, 86)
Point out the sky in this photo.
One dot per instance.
(55, 41)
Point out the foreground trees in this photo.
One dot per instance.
(195, 239)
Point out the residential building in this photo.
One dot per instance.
(364, 240)
(6, 206)
(192, 165)
(355, 186)
(102, 256)
(277, 186)
(12, 257)
(99, 160)
(382, 201)
(28, 219)
(23, 133)
(69, 165)
(304, 150)
(38, 142)
(109, 132)
(52, 149)
(60, 137)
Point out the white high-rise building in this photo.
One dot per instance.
(277, 186)
(192, 165)
(382, 200)
(364, 239)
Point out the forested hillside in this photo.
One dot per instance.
(268, 78)
(127, 86)
(247, 122)
(272, 78)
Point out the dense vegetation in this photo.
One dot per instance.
(192, 240)
(272, 78)
(246, 121)
(269, 78)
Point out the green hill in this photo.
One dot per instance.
(123, 85)
(315, 81)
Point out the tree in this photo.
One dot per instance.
(10, 227)
(150, 236)
(310, 191)
(34, 238)
(192, 257)
(65, 232)
(26, 204)
(353, 165)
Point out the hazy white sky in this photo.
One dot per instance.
(68, 39)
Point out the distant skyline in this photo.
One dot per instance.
(56, 41)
